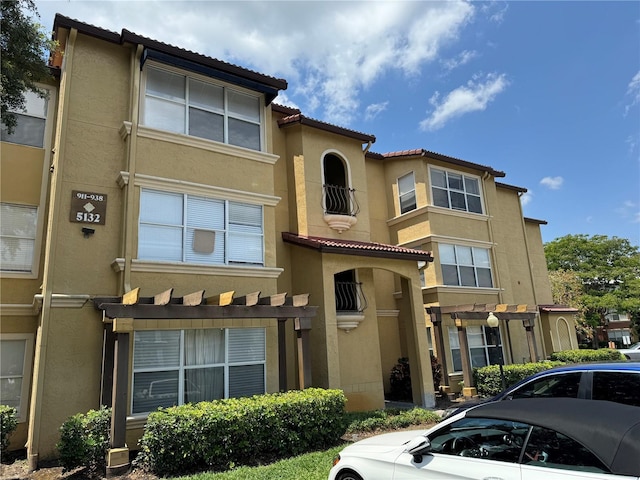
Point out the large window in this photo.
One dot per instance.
(30, 122)
(455, 191)
(181, 104)
(484, 346)
(465, 266)
(172, 367)
(191, 229)
(407, 193)
(17, 237)
(16, 352)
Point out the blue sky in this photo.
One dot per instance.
(548, 92)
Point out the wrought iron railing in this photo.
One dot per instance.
(350, 297)
(340, 200)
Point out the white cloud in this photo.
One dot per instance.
(329, 53)
(373, 110)
(633, 91)
(554, 183)
(462, 58)
(526, 198)
(629, 211)
(474, 96)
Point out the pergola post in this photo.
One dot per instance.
(469, 389)
(282, 354)
(529, 323)
(302, 327)
(436, 319)
(118, 454)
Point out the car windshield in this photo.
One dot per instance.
(635, 346)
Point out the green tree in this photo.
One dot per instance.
(567, 289)
(608, 269)
(24, 46)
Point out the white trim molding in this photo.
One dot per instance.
(146, 266)
(181, 186)
(210, 145)
(58, 300)
(440, 210)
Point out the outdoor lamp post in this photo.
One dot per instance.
(493, 323)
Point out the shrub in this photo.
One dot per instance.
(84, 440)
(8, 423)
(391, 418)
(436, 371)
(488, 381)
(240, 431)
(579, 356)
(400, 381)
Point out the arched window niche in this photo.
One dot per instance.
(338, 198)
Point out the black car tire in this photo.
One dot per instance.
(348, 475)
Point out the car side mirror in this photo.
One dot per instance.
(418, 447)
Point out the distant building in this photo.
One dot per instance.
(170, 235)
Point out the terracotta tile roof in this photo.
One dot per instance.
(129, 37)
(511, 187)
(557, 309)
(354, 247)
(437, 156)
(299, 118)
(276, 107)
(535, 220)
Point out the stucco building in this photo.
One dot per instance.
(169, 234)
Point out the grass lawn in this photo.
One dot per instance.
(310, 466)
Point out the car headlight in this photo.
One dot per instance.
(336, 459)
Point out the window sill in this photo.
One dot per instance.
(437, 210)
(456, 289)
(204, 144)
(147, 266)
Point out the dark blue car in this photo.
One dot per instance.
(613, 381)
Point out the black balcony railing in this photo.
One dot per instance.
(350, 297)
(340, 200)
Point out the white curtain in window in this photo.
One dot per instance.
(205, 348)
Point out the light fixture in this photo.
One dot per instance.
(492, 320)
(493, 323)
(87, 232)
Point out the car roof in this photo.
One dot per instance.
(591, 366)
(610, 430)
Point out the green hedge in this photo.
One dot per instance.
(488, 381)
(579, 356)
(240, 431)
(84, 440)
(8, 423)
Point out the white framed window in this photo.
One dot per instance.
(173, 367)
(18, 231)
(456, 191)
(485, 346)
(16, 358)
(191, 229)
(182, 104)
(407, 193)
(31, 122)
(465, 266)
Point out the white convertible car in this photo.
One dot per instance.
(522, 439)
(631, 353)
